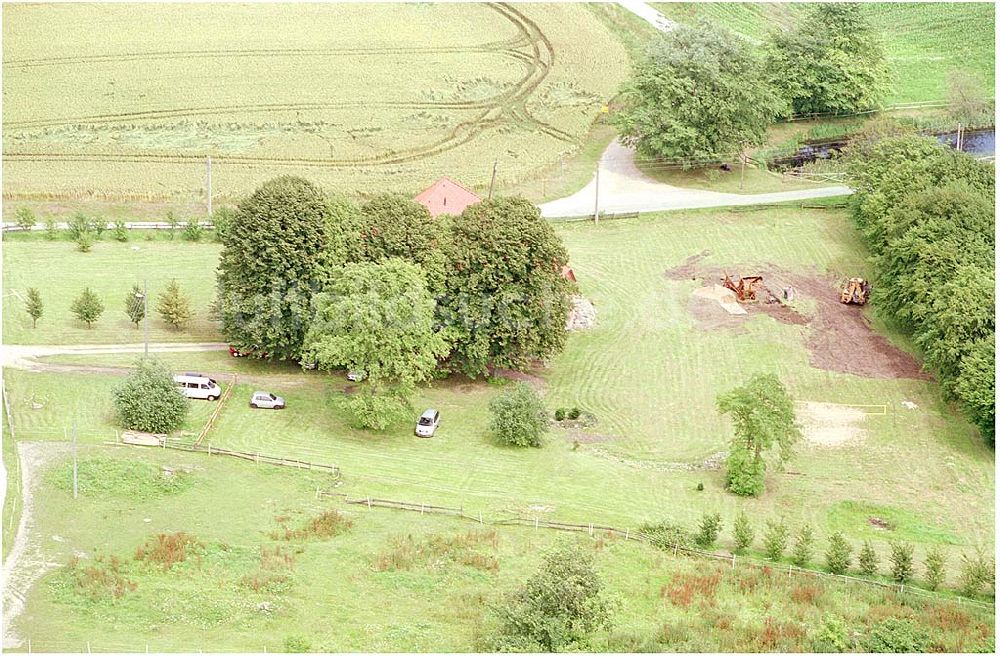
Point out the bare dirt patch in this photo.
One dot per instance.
(840, 338)
(830, 425)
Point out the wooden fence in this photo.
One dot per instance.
(218, 409)
(256, 457)
(600, 217)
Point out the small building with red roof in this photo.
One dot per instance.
(446, 196)
(567, 273)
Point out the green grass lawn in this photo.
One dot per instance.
(651, 378)
(337, 595)
(60, 273)
(923, 41)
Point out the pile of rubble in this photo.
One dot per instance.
(583, 315)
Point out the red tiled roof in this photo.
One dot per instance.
(446, 196)
(567, 273)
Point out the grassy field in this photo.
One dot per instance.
(393, 581)
(372, 96)
(649, 374)
(923, 41)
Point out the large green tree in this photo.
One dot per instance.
(831, 62)
(763, 417)
(377, 319)
(272, 262)
(505, 300)
(148, 400)
(557, 609)
(700, 92)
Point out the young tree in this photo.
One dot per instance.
(802, 550)
(172, 223)
(24, 218)
(518, 416)
(934, 563)
(831, 62)
(556, 609)
(775, 540)
(901, 557)
(84, 241)
(87, 307)
(51, 228)
(976, 571)
(742, 532)
(377, 318)
(505, 300)
(174, 307)
(763, 416)
(868, 559)
(120, 232)
(148, 400)
(700, 92)
(838, 554)
(271, 265)
(33, 305)
(193, 230)
(708, 530)
(135, 304)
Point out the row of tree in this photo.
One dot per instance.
(385, 289)
(926, 213)
(173, 306)
(976, 570)
(704, 92)
(86, 229)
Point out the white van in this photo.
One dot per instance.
(196, 386)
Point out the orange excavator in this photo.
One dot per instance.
(745, 287)
(856, 292)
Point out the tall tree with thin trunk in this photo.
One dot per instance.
(33, 305)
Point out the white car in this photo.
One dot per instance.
(429, 421)
(196, 386)
(265, 400)
(355, 376)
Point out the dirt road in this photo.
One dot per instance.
(23, 357)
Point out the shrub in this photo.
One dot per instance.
(51, 230)
(665, 535)
(901, 557)
(775, 540)
(832, 637)
(802, 550)
(33, 305)
(742, 532)
(297, 644)
(560, 414)
(174, 307)
(518, 416)
(556, 609)
(573, 413)
(838, 554)
(79, 225)
(120, 232)
(148, 400)
(934, 568)
(87, 307)
(25, 219)
(193, 230)
(101, 580)
(708, 530)
(700, 487)
(976, 572)
(328, 524)
(894, 635)
(168, 549)
(868, 559)
(84, 242)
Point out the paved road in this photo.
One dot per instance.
(646, 12)
(23, 357)
(626, 189)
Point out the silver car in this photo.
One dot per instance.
(429, 421)
(265, 400)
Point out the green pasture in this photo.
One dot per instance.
(924, 41)
(372, 96)
(60, 273)
(649, 375)
(336, 596)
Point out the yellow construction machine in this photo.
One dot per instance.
(856, 292)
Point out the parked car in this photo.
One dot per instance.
(265, 400)
(199, 387)
(355, 376)
(429, 421)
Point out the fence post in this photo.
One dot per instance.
(88, 646)
(675, 549)
(626, 534)
(369, 502)
(29, 645)
(209, 448)
(480, 518)
(421, 508)
(590, 529)
(536, 523)
(734, 560)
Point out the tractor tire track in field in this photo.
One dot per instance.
(498, 110)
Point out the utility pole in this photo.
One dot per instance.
(958, 140)
(74, 461)
(145, 318)
(492, 179)
(209, 187)
(597, 192)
